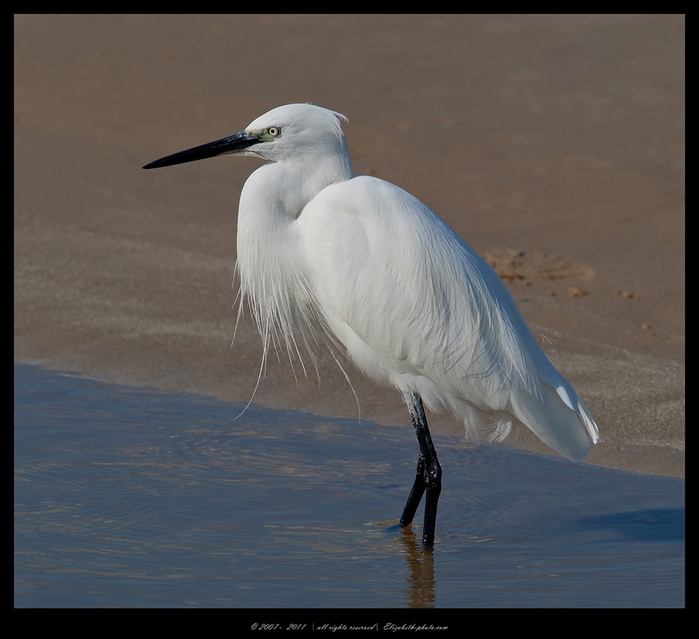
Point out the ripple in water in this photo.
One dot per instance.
(127, 497)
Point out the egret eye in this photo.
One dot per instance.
(273, 131)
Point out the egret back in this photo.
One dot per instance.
(417, 308)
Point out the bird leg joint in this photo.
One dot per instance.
(432, 476)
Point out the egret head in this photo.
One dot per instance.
(286, 133)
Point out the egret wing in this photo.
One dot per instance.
(417, 308)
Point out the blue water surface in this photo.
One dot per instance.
(127, 497)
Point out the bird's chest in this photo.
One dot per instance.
(272, 264)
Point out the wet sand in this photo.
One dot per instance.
(553, 144)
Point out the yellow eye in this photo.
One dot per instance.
(273, 131)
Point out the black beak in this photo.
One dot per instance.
(231, 144)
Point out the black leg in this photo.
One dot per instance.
(428, 479)
(416, 494)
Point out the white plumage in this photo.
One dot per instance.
(361, 264)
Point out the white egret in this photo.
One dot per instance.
(365, 267)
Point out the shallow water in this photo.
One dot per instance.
(129, 497)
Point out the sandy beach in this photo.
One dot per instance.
(554, 145)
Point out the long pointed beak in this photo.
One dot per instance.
(231, 144)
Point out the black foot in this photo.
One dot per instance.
(428, 478)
